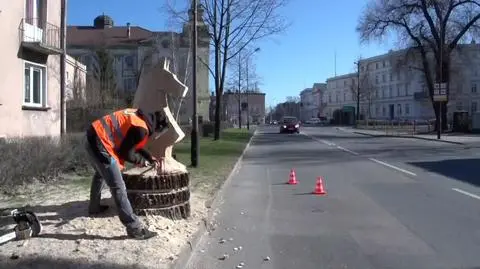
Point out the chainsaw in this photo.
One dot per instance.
(27, 226)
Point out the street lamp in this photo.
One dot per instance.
(248, 107)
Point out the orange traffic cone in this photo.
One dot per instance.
(293, 178)
(319, 189)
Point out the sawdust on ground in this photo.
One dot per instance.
(72, 239)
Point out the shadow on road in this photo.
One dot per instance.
(15, 262)
(465, 170)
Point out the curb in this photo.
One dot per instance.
(413, 137)
(185, 254)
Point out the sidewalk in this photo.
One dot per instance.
(458, 139)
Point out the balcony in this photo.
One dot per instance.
(421, 96)
(40, 36)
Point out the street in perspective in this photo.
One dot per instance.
(212, 134)
(388, 203)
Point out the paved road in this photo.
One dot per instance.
(391, 203)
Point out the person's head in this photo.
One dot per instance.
(159, 121)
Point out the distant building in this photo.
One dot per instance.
(392, 86)
(133, 48)
(232, 102)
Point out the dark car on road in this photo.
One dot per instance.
(289, 125)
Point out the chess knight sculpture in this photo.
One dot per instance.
(154, 87)
(165, 190)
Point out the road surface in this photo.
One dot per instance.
(390, 203)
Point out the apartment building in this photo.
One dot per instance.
(308, 108)
(30, 70)
(393, 86)
(131, 49)
(339, 94)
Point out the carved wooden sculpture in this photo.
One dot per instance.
(164, 192)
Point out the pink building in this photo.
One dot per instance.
(30, 69)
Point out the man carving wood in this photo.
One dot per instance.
(113, 140)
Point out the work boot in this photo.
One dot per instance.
(100, 210)
(141, 234)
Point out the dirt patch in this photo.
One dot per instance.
(69, 234)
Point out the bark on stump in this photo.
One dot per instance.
(165, 195)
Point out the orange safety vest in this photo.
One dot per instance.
(112, 128)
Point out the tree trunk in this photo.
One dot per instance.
(218, 93)
(218, 111)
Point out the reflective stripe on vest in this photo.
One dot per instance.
(116, 128)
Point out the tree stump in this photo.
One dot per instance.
(165, 195)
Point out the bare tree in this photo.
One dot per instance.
(427, 28)
(232, 26)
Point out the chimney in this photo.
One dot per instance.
(128, 30)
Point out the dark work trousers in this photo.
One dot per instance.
(110, 173)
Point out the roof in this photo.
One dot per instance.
(111, 36)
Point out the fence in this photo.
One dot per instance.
(398, 127)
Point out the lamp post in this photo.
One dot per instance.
(195, 147)
(248, 107)
(239, 92)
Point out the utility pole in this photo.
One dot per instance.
(357, 116)
(195, 147)
(239, 92)
(63, 59)
(247, 93)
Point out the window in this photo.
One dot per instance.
(376, 79)
(377, 110)
(376, 65)
(407, 93)
(399, 109)
(34, 85)
(129, 84)
(345, 96)
(329, 97)
(35, 13)
(391, 77)
(337, 97)
(459, 106)
(385, 92)
(474, 87)
(390, 88)
(474, 107)
(344, 83)
(384, 111)
(407, 109)
(129, 62)
(384, 63)
(384, 77)
(399, 89)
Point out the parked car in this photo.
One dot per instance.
(289, 124)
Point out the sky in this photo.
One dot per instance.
(287, 63)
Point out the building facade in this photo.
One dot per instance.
(30, 103)
(393, 86)
(132, 49)
(234, 103)
(339, 94)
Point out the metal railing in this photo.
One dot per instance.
(399, 126)
(36, 30)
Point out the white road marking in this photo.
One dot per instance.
(466, 193)
(347, 150)
(393, 167)
(358, 154)
(327, 142)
